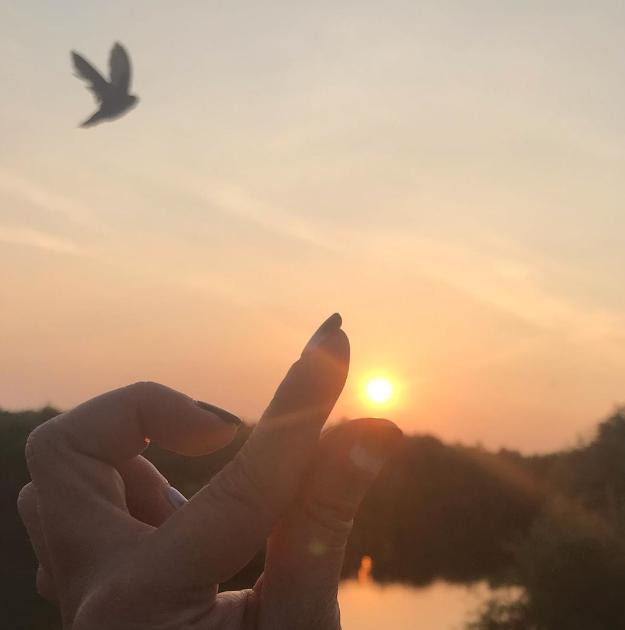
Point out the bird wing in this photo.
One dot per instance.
(119, 64)
(86, 72)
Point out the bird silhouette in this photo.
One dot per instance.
(112, 96)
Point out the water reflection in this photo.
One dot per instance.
(367, 605)
(364, 572)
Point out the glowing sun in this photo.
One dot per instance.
(379, 390)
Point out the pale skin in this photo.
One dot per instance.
(115, 552)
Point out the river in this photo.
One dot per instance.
(367, 605)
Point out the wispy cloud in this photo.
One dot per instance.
(35, 238)
(502, 275)
(37, 194)
(237, 202)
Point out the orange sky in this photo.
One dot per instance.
(449, 178)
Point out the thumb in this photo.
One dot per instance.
(306, 549)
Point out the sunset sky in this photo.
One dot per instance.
(449, 176)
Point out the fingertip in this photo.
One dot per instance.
(364, 442)
(381, 435)
(337, 346)
(207, 428)
(330, 358)
(329, 326)
(313, 383)
(211, 435)
(329, 341)
(375, 445)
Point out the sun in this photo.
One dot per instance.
(379, 390)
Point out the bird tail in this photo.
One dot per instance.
(92, 120)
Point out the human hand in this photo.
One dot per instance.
(119, 548)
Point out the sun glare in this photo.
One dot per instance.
(379, 390)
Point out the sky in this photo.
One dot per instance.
(449, 176)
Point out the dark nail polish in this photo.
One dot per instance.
(222, 414)
(331, 324)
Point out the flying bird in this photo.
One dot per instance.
(112, 96)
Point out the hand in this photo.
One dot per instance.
(119, 548)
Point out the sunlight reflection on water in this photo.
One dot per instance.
(367, 605)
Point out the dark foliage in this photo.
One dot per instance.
(20, 605)
(571, 564)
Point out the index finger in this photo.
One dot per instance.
(222, 526)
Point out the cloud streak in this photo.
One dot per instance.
(35, 238)
(233, 200)
(34, 193)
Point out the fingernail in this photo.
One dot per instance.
(175, 497)
(331, 324)
(373, 449)
(222, 414)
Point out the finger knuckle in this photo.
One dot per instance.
(41, 586)
(39, 442)
(138, 393)
(334, 517)
(142, 389)
(44, 585)
(241, 485)
(25, 500)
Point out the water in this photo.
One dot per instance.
(366, 605)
